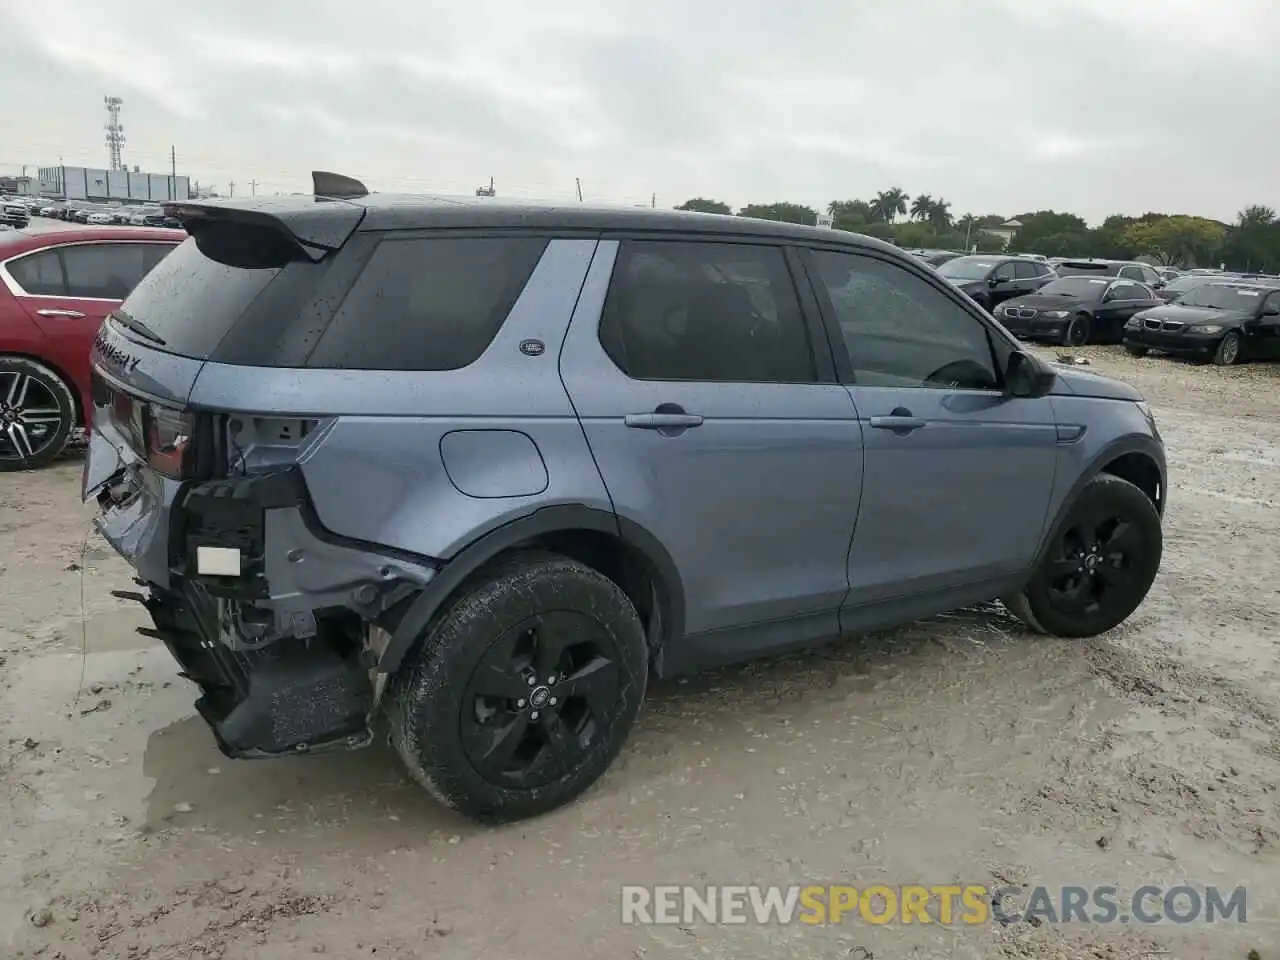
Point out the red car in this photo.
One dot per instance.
(56, 287)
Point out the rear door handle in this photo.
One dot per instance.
(71, 314)
(899, 421)
(663, 421)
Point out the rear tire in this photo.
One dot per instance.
(523, 691)
(37, 414)
(1099, 565)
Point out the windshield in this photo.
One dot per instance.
(1220, 296)
(1183, 284)
(1090, 288)
(967, 268)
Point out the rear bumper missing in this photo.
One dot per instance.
(281, 647)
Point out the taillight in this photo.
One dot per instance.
(168, 439)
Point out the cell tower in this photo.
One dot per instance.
(115, 132)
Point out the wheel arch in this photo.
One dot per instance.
(620, 549)
(1137, 459)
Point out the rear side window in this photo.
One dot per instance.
(711, 312)
(40, 274)
(1025, 270)
(428, 304)
(108, 271)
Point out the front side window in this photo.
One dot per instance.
(899, 330)
(714, 312)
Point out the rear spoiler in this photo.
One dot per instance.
(317, 227)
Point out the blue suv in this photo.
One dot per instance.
(471, 472)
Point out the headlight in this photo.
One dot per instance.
(1056, 314)
(1151, 419)
(1133, 323)
(1205, 328)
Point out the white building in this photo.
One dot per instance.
(88, 183)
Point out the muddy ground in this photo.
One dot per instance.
(960, 749)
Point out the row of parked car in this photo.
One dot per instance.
(1207, 314)
(18, 211)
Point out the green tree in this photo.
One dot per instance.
(850, 214)
(783, 211)
(940, 214)
(1257, 216)
(889, 204)
(1037, 229)
(1178, 240)
(1111, 241)
(702, 205)
(921, 207)
(1254, 242)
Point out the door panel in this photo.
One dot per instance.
(752, 487)
(958, 475)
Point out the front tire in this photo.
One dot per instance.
(1136, 351)
(1228, 350)
(37, 414)
(1099, 565)
(1077, 332)
(523, 691)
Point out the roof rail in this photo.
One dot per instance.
(336, 186)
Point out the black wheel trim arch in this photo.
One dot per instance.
(1112, 451)
(546, 520)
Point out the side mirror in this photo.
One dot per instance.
(994, 281)
(1028, 376)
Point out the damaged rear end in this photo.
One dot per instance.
(277, 620)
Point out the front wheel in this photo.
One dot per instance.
(524, 691)
(1135, 351)
(1077, 332)
(37, 414)
(1099, 565)
(1228, 350)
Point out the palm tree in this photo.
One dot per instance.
(940, 214)
(922, 207)
(1257, 216)
(889, 204)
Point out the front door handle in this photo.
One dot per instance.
(900, 421)
(71, 314)
(663, 421)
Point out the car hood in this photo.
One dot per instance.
(1040, 302)
(1184, 314)
(1075, 382)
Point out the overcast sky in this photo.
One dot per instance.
(999, 106)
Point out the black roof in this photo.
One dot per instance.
(324, 221)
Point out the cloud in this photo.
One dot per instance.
(1000, 106)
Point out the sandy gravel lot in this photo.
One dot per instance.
(959, 749)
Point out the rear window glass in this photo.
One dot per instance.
(202, 308)
(428, 304)
(1078, 269)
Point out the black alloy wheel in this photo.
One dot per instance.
(1077, 334)
(1099, 565)
(540, 696)
(37, 414)
(523, 689)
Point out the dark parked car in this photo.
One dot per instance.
(1126, 269)
(936, 258)
(55, 288)
(1225, 321)
(1077, 310)
(1175, 289)
(991, 280)
(483, 469)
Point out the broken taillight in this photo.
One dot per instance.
(168, 439)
